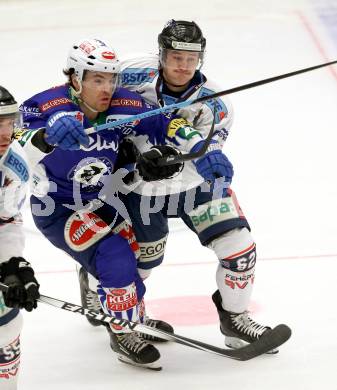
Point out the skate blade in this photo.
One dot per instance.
(235, 343)
(150, 366)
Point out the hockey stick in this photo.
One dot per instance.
(186, 103)
(271, 340)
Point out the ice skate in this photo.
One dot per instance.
(132, 349)
(238, 328)
(156, 324)
(89, 298)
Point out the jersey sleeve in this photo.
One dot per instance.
(201, 115)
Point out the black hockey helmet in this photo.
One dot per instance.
(8, 105)
(182, 35)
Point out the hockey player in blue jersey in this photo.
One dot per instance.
(71, 205)
(172, 76)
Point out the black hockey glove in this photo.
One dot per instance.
(23, 288)
(147, 163)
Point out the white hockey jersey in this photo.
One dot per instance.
(141, 74)
(14, 180)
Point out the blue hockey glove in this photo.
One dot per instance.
(65, 131)
(214, 167)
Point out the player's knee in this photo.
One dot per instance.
(236, 250)
(116, 263)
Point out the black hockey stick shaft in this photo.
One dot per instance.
(261, 82)
(277, 336)
(186, 103)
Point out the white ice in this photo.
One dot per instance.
(283, 146)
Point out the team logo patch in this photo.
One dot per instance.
(181, 128)
(120, 299)
(82, 230)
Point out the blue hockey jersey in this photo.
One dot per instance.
(82, 170)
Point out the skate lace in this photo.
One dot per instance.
(132, 341)
(246, 325)
(92, 300)
(150, 322)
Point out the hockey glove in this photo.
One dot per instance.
(147, 163)
(23, 288)
(214, 167)
(126, 158)
(65, 131)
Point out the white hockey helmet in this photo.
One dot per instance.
(93, 55)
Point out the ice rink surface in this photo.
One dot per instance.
(283, 146)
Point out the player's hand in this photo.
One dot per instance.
(23, 288)
(147, 163)
(65, 131)
(214, 167)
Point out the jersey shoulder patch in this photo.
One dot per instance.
(221, 111)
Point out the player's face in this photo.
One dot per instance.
(98, 88)
(179, 66)
(6, 131)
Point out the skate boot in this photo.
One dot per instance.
(156, 324)
(239, 329)
(132, 349)
(89, 298)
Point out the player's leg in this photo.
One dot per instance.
(150, 226)
(10, 328)
(88, 239)
(221, 226)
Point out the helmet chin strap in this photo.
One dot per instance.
(78, 93)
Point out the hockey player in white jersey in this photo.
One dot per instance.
(171, 76)
(15, 271)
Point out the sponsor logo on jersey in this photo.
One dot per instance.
(17, 165)
(54, 103)
(82, 230)
(126, 102)
(179, 127)
(26, 110)
(122, 301)
(136, 76)
(98, 143)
